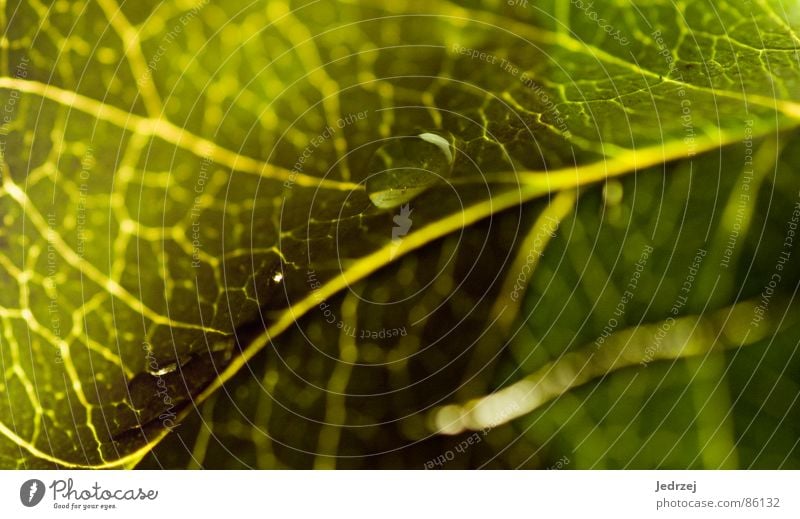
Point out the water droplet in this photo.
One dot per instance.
(405, 167)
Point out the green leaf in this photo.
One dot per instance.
(185, 185)
(543, 375)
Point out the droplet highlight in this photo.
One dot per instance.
(406, 167)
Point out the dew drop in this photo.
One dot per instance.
(405, 167)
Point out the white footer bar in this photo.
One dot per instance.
(401, 494)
